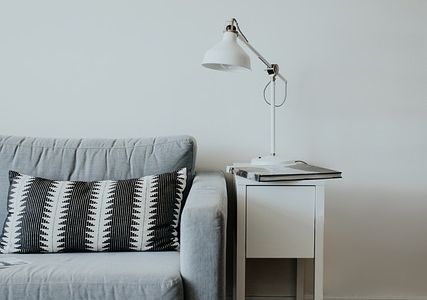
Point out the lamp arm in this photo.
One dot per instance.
(273, 71)
(259, 55)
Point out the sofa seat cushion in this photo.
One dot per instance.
(118, 275)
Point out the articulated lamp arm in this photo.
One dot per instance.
(273, 72)
(272, 69)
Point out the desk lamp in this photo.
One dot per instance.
(227, 55)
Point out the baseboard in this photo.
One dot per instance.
(309, 297)
(270, 298)
(374, 298)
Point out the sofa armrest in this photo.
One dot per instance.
(203, 237)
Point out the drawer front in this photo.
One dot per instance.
(280, 221)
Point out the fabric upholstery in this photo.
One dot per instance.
(121, 275)
(92, 159)
(203, 238)
(90, 276)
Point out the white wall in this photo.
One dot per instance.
(357, 102)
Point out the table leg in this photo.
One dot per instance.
(318, 242)
(300, 279)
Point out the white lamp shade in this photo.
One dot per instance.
(227, 55)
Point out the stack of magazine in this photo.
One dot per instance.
(298, 170)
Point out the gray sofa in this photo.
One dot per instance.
(197, 271)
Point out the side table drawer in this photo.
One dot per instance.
(280, 221)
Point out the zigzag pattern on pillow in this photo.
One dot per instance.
(71, 216)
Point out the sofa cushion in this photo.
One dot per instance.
(106, 275)
(139, 214)
(92, 159)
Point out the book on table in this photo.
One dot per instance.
(289, 172)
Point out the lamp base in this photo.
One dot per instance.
(271, 160)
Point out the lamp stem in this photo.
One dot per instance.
(273, 116)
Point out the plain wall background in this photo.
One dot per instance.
(357, 102)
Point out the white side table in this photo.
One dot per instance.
(280, 220)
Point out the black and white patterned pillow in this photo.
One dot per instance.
(71, 216)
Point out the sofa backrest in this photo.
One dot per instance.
(91, 159)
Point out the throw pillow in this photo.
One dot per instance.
(71, 216)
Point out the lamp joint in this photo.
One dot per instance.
(273, 71)
(231, 26)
